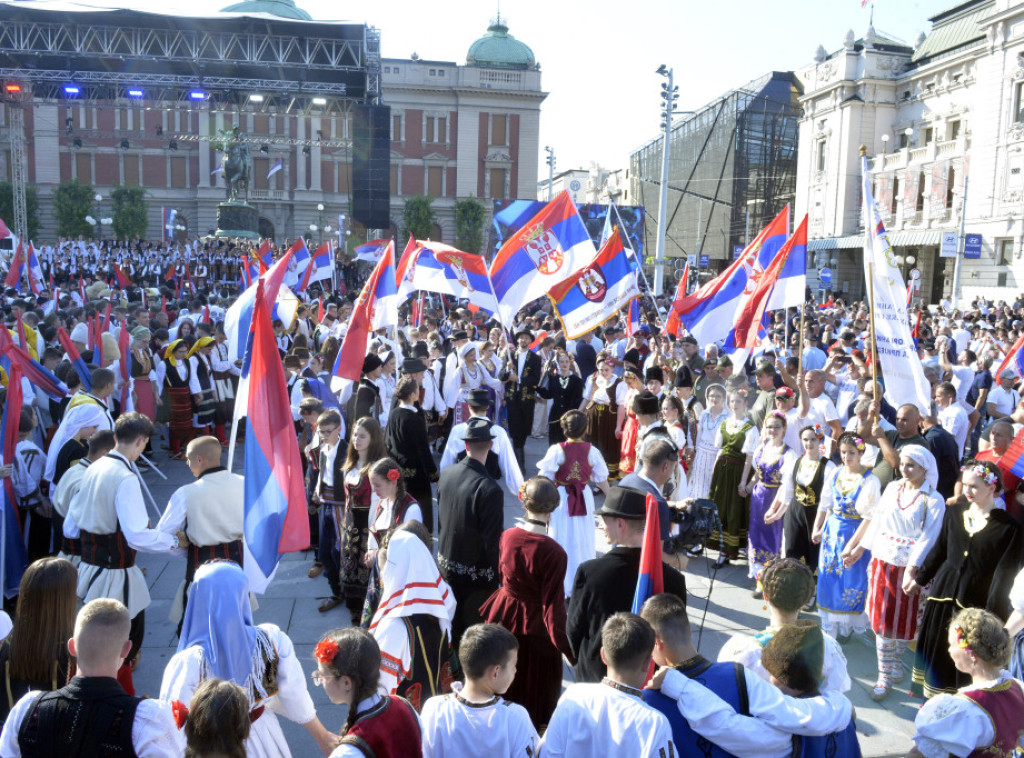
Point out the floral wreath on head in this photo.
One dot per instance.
(522, 491)
(961, 638)
(984, 472)
(325, 651)
(818, 431)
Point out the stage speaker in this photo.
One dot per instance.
(371, 166)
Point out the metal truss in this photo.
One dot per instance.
(19, 169)
(371, 57)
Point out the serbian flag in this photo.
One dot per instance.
(826, 305)
(77, 361)
(81, 290)
(377, 306)
(371, 251)
(276, 521)
(238, 318)
(753, 306)
(551, 247)
(298, 264)
(633, 317)
(1014, 358)
(169, 274)
(535, 345)
(15, 554)
(168, 215)
(278, 165)
(434, 267)
(20, 328)
(246, 277)
(53, 303)
(708, 312)
(1013, 459)
(205, 319)
(97, 341)
(4, 231)
(163, 304)
(31, 369)
(125, 368)
(585, 300)
(674, 327)
(320, 267)
(651, 580)
(264, 260)
(14, 273)
(35, 271)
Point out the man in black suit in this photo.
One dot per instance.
(470, 518)
(406, 441)
(606, 585)
(522, 374)
(365, 400)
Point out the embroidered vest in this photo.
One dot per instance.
(808, 494)
(574, 474)
(388, 730)
(173, 378)
(1004, 704)
(845, 506)
(732, 442)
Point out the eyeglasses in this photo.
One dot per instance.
(319, 678)
(331, 430)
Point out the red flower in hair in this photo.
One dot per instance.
(393, 475)
(180, 712)
(325, 651)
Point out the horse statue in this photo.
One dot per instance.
(237, 167)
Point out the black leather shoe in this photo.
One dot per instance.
(723, 560)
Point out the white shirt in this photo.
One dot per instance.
(154, 733)
(774, 717)
(1003, 400)
(954, 420)
(502, 447)
(598, 721)
(745, 649)
(454, 728)
(955, 725)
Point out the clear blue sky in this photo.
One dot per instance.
(598, 58)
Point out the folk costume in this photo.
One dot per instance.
(565, 393)
(201, 385)
(736, 441)
(177, 376)
(977, 721)
(405, 438)
(385, 516)
(803, 487)
(385, 726)
(506, 467)
(219, 639)
(454, 727)
(520, 397)
(604, 397)
(747, 649)
(764, 541)
(706, 451)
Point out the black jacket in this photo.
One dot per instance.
(605, 586)
(470, 519)
(365, 401)
(524, 389)
(406, 440)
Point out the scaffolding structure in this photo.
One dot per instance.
(732, 168)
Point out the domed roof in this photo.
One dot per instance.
(499, 49)
(281, 8)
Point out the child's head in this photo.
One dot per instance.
(574, 424)
(26, 422)
(788, 584)
(627, 642)
(539, 495)
(218, 720)
(348, 666)
(488, 655)
(795, 656)
(666, 614)
(977, 634)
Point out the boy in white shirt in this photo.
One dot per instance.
(473, 719)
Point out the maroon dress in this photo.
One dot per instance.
(531, 604)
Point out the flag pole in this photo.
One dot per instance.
(640, 267)
(874, 344)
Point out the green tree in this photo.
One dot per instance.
(130, 210)
(31, 207)
(469, 224)
(72, 202)
(418, 217)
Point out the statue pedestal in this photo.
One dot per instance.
(237, 220)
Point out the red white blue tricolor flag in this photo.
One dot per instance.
(276, 521)
(551, 247)
(370, 251)
(376, 307)
(651, 580)
(320, 267)
(15, 554)
(585, 300)
(435, 267)
(278, 165)
(238, 318)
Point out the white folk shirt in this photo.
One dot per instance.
(745, 649)
(774, 717)
(502, 447)
(453, 727)
(955, 724)
(598, 721)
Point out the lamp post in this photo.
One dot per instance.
(669, 95)
(885, 144)
(550, 160)
(98, 198)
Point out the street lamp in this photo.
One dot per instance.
(319, 225)
(885, 144)
(550, 160)
(669, 95)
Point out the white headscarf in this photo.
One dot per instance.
(86, 414)
(923, 458)
(412, 584)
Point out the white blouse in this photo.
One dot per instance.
(955, 724)
(905, 528)
(867, 499)
(805, 475)
(732, 426)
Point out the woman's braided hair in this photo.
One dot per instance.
(788, 584)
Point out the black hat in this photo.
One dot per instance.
(795, 656)
(624, 502)
(413, 366)
(632, 356)
(523, 330)
(420, 350)
(478, 430)
(655, 374)
(646, 402)
(371, 362)
(478, 398)
(459, 334)
(684, 377)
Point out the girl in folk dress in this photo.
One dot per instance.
(394, 506)
(843, 579)
(386, 383)
(707, 432)
(678, 425)
(906, 524)
(627, 444)
(764, 541)
(489, 360)
(565, 391)
(573, 465)
(736, 440)
(604, 398)
(985, 717)
(203, 392)
(972, 565)
(177, 374)
(469, 375)
(147, 396)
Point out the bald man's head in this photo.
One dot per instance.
(202, 454)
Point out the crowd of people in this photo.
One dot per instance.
(853, 517)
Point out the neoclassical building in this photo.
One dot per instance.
(942, 121)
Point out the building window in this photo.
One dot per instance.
(434, 129)
(895, 195)
(395, 188)
(433, 72)
(928, 134)
(440, 72)
(179, 173)
(820, 152)
(83, 167)
(397, 70)
(387, 69)
(435, 181)
(499, 131)
(919, 205)
(131, 169)
(904, 140)
(396, 128)
(1004, 252)
(953, 130)
(1018, 101)
(497, 177)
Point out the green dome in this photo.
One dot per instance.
(499, 49)
(281, 8)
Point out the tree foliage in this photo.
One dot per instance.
(31, 207)
(72, 202)
(130, 212)
(470, 214)
(418, 217)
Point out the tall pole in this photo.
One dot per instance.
(551, 169)
(960, 248)
(668, 96)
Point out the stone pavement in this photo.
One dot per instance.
(291, 601)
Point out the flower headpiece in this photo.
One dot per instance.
(982, 472)
(961, 637)
(325, 651)
(180, 713)
(819, 432)
(858, 443)
(393, 474)
(778, 414)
